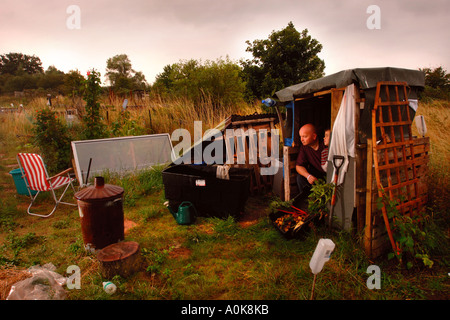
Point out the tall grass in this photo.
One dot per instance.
(148, 115)
(437, 118)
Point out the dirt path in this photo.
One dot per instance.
(256, 208)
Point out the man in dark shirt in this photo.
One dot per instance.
(308, 164)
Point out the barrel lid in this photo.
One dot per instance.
(100, 191)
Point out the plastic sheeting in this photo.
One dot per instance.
(366, 78)
(121, 154)
(44, 284)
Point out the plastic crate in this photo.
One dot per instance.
(21, 187)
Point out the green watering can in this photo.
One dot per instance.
(185, 214)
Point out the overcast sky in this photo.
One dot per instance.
(154, 33)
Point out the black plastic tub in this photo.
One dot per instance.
(210, 195)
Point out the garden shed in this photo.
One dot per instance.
(370, 112)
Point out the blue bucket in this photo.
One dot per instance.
(21, 187)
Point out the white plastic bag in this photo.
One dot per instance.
(45, 284)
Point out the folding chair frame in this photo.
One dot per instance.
(51, 189)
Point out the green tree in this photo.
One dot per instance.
(73, 83)
(437, 78)
(19, 71)
(122, 76)
(19, 82)
(12, 63)
(437, 83)
(217, 81)
(287, 57)
(52, 79)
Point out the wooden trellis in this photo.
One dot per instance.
(396, 163)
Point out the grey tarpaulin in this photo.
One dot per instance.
(366, 79)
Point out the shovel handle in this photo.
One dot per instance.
(338, 158)
(333, 199)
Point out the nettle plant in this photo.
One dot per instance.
(408, 233)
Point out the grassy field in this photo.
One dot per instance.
(213, 259)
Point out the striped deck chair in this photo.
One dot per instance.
(33, 168)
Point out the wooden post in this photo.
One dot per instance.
(150, 118)
(287, 173)
(336, 99)
(358, 162)
(368, 228)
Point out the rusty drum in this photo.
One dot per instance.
(101, 214)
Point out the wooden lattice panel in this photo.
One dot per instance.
(397, 165)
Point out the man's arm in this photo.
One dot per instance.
(302, 171)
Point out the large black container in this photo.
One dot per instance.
(210, 195)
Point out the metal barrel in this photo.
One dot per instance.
(101, 214)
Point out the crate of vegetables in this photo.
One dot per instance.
(292, 222)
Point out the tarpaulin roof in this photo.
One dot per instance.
(366, 78)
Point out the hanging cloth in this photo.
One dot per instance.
(343, 134)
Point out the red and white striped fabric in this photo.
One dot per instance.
(33, 166)
(60, 181)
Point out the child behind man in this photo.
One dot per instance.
(324, 154)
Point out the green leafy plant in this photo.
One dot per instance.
(92, 120)
(52, 138)
(276, 204)
(125, 126)
(408, 234)
(18, 243)
(155, 258)
(320, 196)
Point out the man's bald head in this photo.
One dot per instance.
(308, 134)
(308, 128)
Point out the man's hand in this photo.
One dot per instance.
(311, 179)
(302, 171)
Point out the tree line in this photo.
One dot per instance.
(19, 72)
(285, 58)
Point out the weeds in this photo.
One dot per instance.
(136, 184)
(77, 247)
(409, 234)
(155, 259)
(16, 244)
(7, 214)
